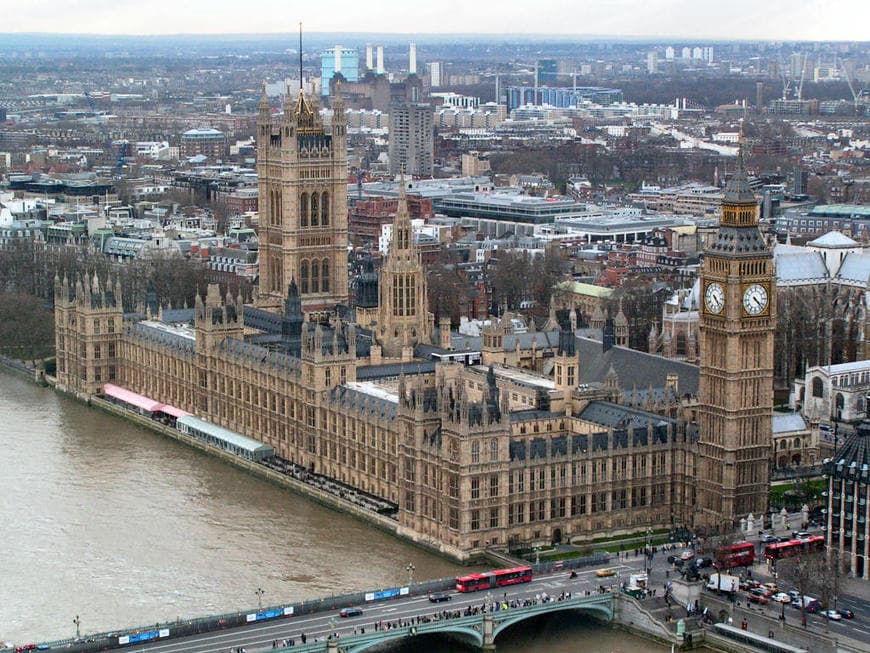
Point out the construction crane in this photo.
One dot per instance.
(800, 88)
(856, 97)
(786, 82)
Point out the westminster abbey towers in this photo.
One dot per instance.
(302, 174)
(737, 324)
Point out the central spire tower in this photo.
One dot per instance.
(302, 173)
(403, 318)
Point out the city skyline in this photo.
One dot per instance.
(655, 19)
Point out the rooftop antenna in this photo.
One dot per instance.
(300, 55)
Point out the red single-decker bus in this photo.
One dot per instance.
(490, 579)
(741, 554)
(794, 547)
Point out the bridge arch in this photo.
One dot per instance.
(599, 610)
(466, 634)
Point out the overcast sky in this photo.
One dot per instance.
(720, 19)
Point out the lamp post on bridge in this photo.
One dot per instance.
(410, 569)
(259, 594)
(78, 623)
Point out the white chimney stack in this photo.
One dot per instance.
(338, 58)
(412, 62)
(369, 57)
(380, 69)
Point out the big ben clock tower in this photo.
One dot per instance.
(737, 324)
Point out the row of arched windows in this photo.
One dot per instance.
(314, 276)
(314, 209)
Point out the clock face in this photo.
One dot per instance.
(714, 298)
(755, 299)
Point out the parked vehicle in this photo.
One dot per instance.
(848, 614)
(833, 615)
(781, 597)
(723, 583)
(761, 599)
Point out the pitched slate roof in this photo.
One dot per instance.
(855, 268)
(833, 239)
(621, 417)
(356, 398)
(788, 422)
(803, 267)
(370, 372)
(634, 368)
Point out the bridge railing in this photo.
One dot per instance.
(195, 625)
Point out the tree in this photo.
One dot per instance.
(26, 327)
(808, 573)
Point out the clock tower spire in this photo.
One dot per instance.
(737, 324)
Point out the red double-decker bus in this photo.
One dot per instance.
(794, 547)
(741, 554)
(489, 579)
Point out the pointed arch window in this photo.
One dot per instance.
(315, 212)
(324, 209)
(324, 275)
(315, 276)
(303, 278)
(303, 210)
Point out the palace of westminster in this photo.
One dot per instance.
(508, 440)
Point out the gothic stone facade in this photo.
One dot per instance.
(468, 465)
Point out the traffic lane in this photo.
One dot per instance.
(854, 627)
(263, 634)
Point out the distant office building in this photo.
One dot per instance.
(801, 177)
(563, 98)
(412, 139)
(796, 64)
(206, 142)
(669, 53)
(338, 60)
(548, 71)
(436, 74)
(707, 54)
(686, 53)
(652, 62)
(697, 53)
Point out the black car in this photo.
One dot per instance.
(767, 538)
(439, 598)
(350, 612)
(848, 614)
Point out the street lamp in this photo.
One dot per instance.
(410, 569)
(78, 623)
(537, 551)
(259, 594)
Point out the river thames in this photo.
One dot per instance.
(122, 527)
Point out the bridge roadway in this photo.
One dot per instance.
(403, 610)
